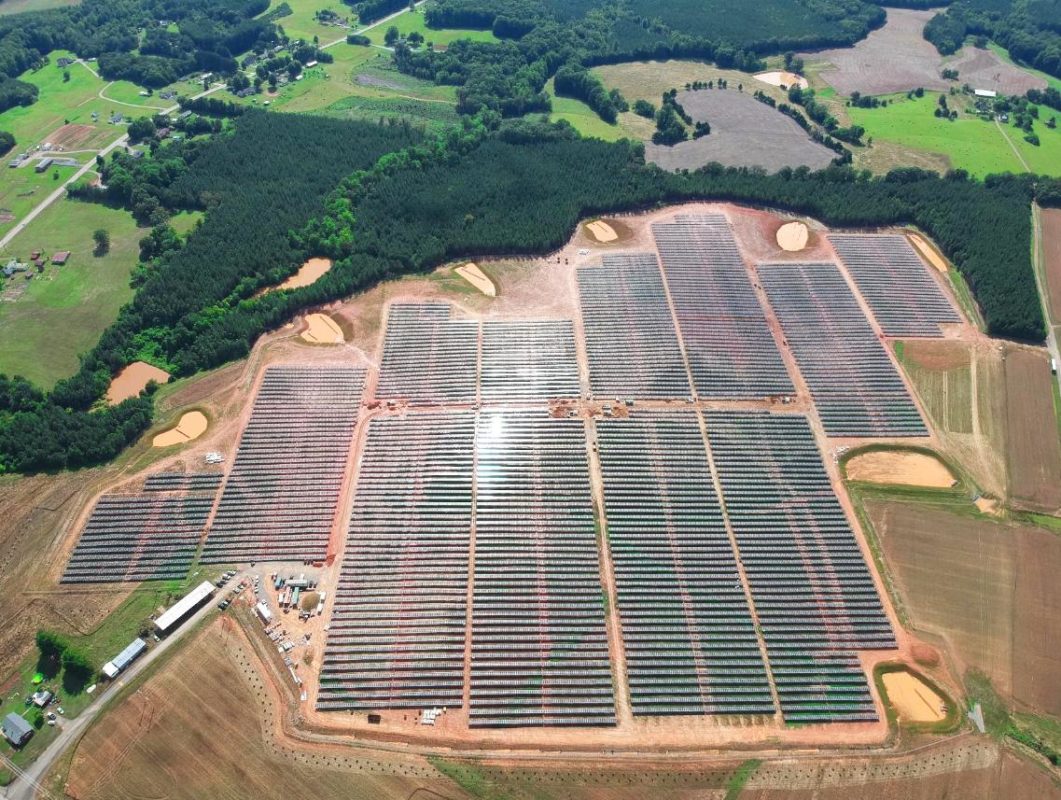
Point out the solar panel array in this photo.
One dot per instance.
(279, 501)
(896, 284)
(854, 383)
(813, 592)
(630, 338)
(731, 351)
(139, 537)
(428, 358)
(183, 482)
(539, 641)
(531, 360)
(397, 632)
(690, 641)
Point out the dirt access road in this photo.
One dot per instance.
(26, 785)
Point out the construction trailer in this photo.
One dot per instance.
(179, 612)
(113, 668)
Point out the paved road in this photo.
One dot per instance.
(372, 25)
(86, 168)
(26, 786)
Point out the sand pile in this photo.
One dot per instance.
(792, 236)
(783, 79)
(322, 329)
(900, 466)
(912, 699)
(477, 278)
(602, 231)
(192, 425)
(134, 379)
(928, 252)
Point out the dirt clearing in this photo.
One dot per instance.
(792, 236)
(928, 252)
(133, 379)
(912, 699)
(72, 137)
(601, 231)
(1052, 259)
(322, 329)
(307, 274)
(782, 79)
(906, 467)
(1033, 449)
(477, 278)
(192, 425)
(897, 58)
(744, 133)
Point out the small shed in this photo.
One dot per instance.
(16, 729)
(985, 93)
(61, 257)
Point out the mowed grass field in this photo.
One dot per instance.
(968, 142)
(63, 313)
(301, 24)
(413, 21)
(583, 118)
(986, 586)
(196, 729)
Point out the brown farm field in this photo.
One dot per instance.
(1033, 450)
(897, 58)
(744, 133)
(985, 587)
(1051, 238)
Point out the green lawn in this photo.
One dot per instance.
(582, 117)
(63, 312)
(126, 92)
(23, 188)
(969, 142)
(185, 221)
(414, 21)
(301, 24)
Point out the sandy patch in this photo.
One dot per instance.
(322, 329)
(134, 379)
(192, 425)
(912, 699)
(928, 252)
(477, 278)
(899, 466)
(987, 505)
(602, 231)
(792, 236)
(307, 274)
(783, 79)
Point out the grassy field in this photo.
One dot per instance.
(968, 142)
(583, 118)
(413, 21)
(302, 25)
(62, 313)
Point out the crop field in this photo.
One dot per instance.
(1033, 452)
(897, 58)
(744, 132)
(19, 6)
(854, 382)
(730, 349)
(205, 722)
(897, 284)
(1051, 239)
(280, 498)
(982, 585)
(970, 143)
(79, 299)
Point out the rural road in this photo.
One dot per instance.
(26, 785)
(372, 25)
(87, 167)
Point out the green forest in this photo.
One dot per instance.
(410, 203)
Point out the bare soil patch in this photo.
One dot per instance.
(792, 236)
(601, 231)
(307, 274)
(133, 379)
(1033, 452)
(928, 252)
(192, 425)
(913, 700)
(477, 278)
(906, 467)
(71, 137)
(1051, 219)
(782, 79)
(744, 133)
(322, 329)
(897, 58)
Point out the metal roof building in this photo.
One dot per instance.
(16, 729)
(126, 657)
(176, 614)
